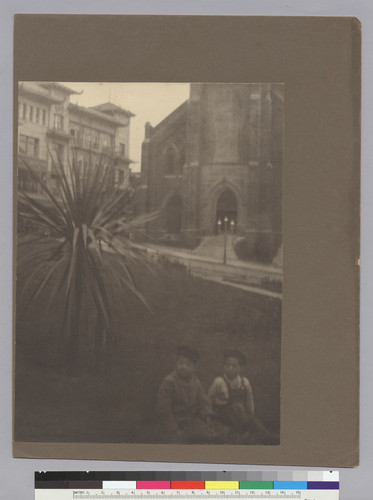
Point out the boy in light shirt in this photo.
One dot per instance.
(232, 401)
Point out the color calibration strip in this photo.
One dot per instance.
(221, 485)
(302, 480)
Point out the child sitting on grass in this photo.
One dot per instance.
(231, 399)
(182, 404)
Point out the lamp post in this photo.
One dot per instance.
(225, 239)
(219, 226)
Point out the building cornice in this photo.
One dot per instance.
(110, 107)
(95, 114)
(59, 86)
(23, 90)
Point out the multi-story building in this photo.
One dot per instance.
(215, 160)
(49, 125)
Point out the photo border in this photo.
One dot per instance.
(318, 60)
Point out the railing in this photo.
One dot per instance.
(60, 132)
(83, 143)
(113, 151)
(32, 162)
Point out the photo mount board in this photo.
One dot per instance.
(318, 61)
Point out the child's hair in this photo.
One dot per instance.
(188, 352)
(233, 353)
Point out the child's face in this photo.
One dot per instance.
(232, 368)
(184, 367)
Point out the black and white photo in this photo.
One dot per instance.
(149, 263)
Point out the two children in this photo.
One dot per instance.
(225, 415)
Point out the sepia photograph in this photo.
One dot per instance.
(149, 263)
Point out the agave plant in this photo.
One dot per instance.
(84, 253)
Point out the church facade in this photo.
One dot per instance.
(215, 164)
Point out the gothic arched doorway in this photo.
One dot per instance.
(226, 208)
(173, 214)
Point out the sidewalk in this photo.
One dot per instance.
(267, 269)
(247, 276)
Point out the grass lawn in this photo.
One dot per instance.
(114, 401)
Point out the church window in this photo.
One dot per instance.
(170, 161)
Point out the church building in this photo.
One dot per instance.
(215, 164)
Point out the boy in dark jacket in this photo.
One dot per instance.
(182, 404)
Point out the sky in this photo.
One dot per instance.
(150, 102)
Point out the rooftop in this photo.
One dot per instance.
(38, 92)
(58, 86)
(174, 115)
(109, 107)
(95, 113)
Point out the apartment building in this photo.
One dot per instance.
(50, 126)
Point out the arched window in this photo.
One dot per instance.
(170, 161)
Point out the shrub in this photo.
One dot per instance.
(90, 254)
(256, 247)
(245, 249)
(264, 248)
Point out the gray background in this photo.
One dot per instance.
(17, 474)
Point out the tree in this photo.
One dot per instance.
(84, 254)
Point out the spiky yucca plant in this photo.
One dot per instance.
(84, 254)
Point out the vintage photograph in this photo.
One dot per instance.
(149, 263)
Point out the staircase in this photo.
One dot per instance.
(213, 247)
